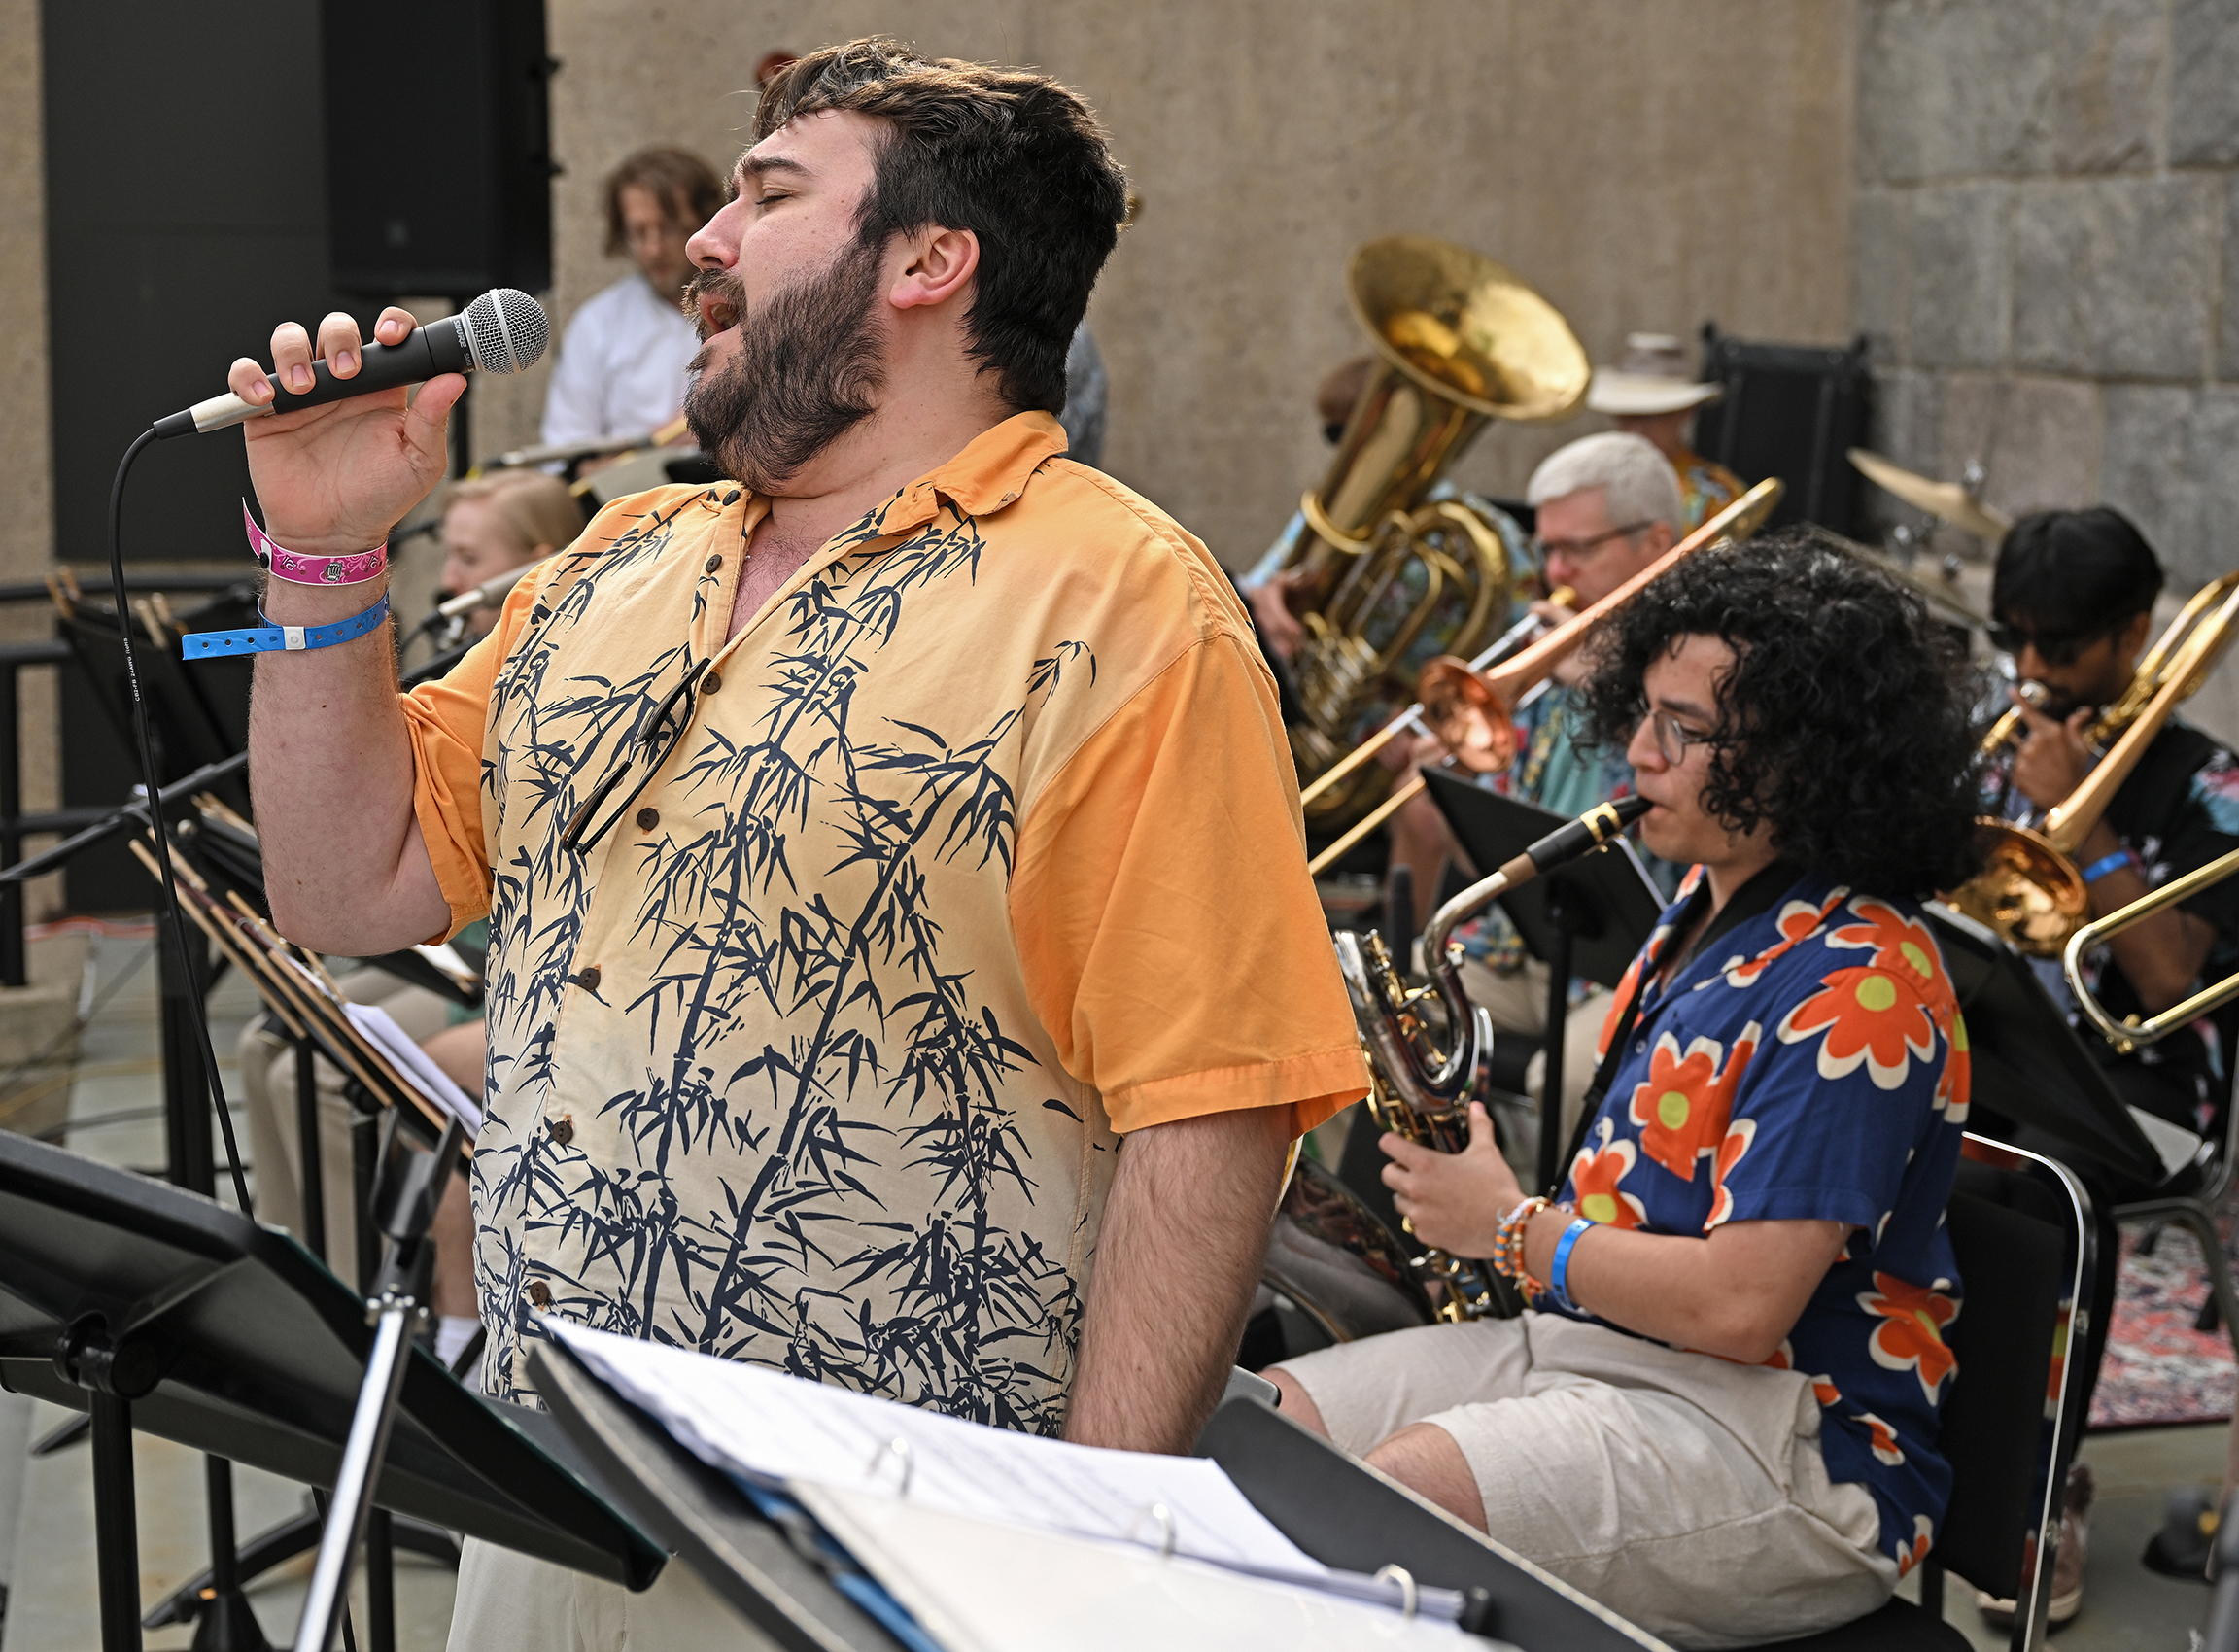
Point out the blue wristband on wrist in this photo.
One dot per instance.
(2115, 861)
(1559, 1272)
(292, 639)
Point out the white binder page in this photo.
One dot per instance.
(778, 1428)
(975, 1587)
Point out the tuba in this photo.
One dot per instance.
(1385, 578)
(2029, 891)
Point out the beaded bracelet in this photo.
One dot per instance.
(298, 570)
(1508, 1256)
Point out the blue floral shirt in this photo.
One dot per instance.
(1810, 1064)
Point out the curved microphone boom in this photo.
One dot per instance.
(502, 331)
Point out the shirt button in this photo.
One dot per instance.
(540, 1293)
(714, 562)
(1638, 1044)
(713, 681)
(648, 818)
(587, 978)
(563, 1131)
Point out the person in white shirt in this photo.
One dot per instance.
(624, 355)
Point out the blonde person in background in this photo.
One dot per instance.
(496, 523)
(622, 359)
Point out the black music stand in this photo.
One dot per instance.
(155, 1308)
(1587, 919)
(2026, 1063)
(758, 1567)
(1337, 1510)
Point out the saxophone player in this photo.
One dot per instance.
(1719, 1417)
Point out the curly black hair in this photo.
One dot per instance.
(1843, 723)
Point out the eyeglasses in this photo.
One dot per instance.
(1578, 550)
(646, 749)
(1674, 738)
(2053, 647)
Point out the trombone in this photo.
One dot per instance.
(2130, 1032)
(2142, 683)
(1467, 706)
(2029, 891)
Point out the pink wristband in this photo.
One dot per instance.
(284, 563)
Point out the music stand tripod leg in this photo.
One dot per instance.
(1551, 1048)
(396, 1303)
(115, 1523)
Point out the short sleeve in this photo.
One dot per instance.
(447, 720)
(1170, 937)
(1832, 1105)
(2206, 828)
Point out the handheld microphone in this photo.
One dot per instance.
(502, 331)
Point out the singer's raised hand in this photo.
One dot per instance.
(337, 478)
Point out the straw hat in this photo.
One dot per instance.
(1653, 378)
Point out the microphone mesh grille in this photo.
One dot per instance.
(506, 331)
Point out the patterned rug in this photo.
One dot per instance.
(2159, 1369)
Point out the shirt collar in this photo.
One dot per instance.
(990, 474)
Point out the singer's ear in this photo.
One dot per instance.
(940, 265)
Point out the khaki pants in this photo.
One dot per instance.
(1518, 1004)
(268, 1076)
(1680, 1491)
(509, 1602)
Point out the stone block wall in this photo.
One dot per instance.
(2045, 226)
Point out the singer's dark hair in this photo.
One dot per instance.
(1011, 155)
(685, 186)
(1844, 722)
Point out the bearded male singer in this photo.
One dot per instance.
(904, 969)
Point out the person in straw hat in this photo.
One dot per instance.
(1651, 394)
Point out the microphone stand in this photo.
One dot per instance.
(405, 1208)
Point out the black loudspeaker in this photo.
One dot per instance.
(1792, 411)
(438, 147)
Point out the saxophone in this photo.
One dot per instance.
(1421, 1081)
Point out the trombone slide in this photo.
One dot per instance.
(2127, 1035)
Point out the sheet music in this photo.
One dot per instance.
(975, 1587)
(410, 1060)
(776, 1429)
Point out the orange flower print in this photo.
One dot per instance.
(1869, 1017)
(1739, 1137)
(1683, 1108)
(1594, 1177)
(1799, 920)
(1906, 949)
(1951, 1088)
(1884, 1439)
(1923, 1539)
(1910, 1335)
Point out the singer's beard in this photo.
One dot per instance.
(806, 371)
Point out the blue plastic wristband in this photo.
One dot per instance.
(1559, 1273)
(290, 638)
(2115, 861)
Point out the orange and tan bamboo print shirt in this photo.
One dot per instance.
(981, 846)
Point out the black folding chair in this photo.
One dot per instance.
(2023, 1233)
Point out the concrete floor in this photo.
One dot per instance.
(49, 1559)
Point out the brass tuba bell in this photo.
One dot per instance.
(1382, 580)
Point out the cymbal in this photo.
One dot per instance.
(1945, 500)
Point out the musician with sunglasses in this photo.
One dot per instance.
(2072, 602)
(1720, 1416)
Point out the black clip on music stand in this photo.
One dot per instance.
(159, 1309)
(1586, 919)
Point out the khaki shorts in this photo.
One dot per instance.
(509, 1602)
(1684, 1492)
